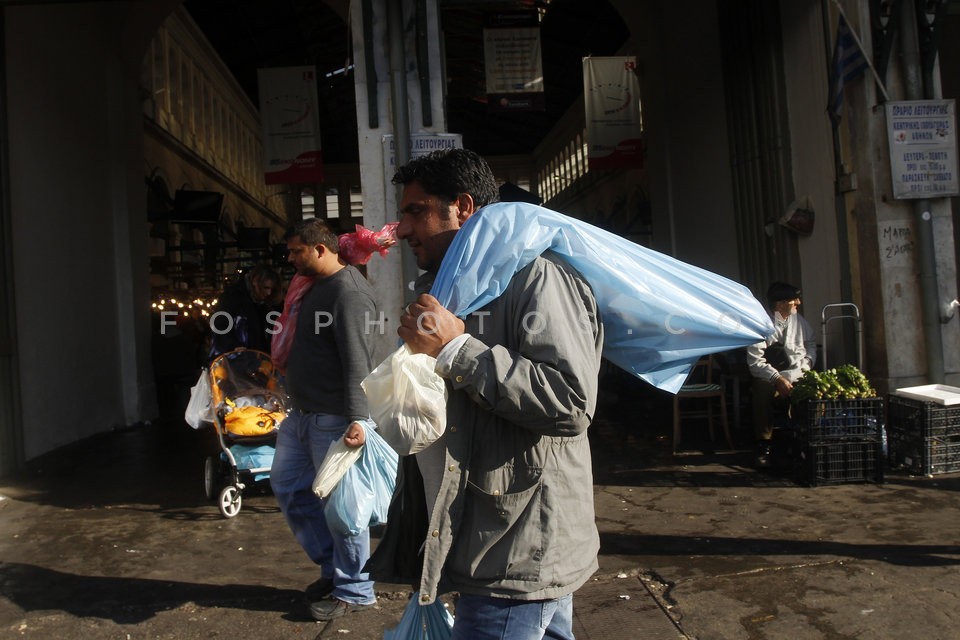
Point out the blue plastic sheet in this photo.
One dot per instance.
(659, 314)
(422, 622)
(362, 497)
(249, 458)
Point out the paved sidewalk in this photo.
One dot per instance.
(112, 538)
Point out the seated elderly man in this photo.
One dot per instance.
(779, 361)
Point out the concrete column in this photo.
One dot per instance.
(376, 123)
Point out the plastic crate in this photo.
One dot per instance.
(924, 456)
(858, 418)
(841, 462)
(923, 418)
(924, 437)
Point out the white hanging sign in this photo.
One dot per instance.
(289, 115)
(922, 136)
(611, 91)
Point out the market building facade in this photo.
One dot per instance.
(116, 114)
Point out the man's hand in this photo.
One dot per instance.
(354, 436)
(426, 326)
(783, 387)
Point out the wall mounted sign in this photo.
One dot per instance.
(420, 145)
(922, 135)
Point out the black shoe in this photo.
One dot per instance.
(764, 456)
(318, 590)
(333, 608)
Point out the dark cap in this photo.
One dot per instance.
(782, 291)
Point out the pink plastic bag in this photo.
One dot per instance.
(357, 247)
(282, 340)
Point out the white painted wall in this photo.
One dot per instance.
(386, 274)
(889, 239)
(383, 274)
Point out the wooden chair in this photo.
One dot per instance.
(705, 386)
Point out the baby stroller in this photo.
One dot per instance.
(247, 403)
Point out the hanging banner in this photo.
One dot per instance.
(513, 62)
(290, 118)
(922, 136)
(611, 96)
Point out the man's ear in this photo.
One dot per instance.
(465, 207)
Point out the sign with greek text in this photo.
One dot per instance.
(420, 145)
(513, 61)
(922, 136)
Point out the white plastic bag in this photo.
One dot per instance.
(335, 464)
(408, 400)
(198, 408)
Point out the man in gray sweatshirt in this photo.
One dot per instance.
(332, 352)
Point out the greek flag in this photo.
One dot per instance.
(848, 64)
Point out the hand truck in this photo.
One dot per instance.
(841, 311)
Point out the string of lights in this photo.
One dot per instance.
(185, 307)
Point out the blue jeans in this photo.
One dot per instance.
(302, 443)
(484, 618)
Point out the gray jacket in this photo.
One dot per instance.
(514, 515)
(797, 337)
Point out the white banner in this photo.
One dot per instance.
(289, 114)
(611, 91)
(513, 62)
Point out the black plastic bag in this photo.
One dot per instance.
(776, 355)
(398, 558)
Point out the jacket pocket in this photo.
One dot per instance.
(501, 535)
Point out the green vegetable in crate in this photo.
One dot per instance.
(844, 382)
(808, 387)
(854, 382)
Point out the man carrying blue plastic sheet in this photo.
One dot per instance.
(522, 302)
(509, 485)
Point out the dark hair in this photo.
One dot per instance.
(264, 272)
(447, 173)
(314, 231)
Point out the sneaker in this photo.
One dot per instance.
(333, 608)
(318, 590)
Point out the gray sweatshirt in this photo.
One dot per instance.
(332, 349)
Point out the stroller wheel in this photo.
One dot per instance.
(211, 477)
(230, 500)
